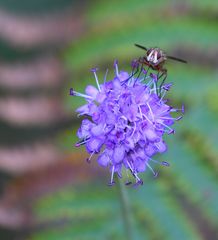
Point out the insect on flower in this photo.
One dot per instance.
(124, 123)
(155, 59)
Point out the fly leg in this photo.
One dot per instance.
(164, 76)
(141, 69)
(134, 72)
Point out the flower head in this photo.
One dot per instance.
(127, 118)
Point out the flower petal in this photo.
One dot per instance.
(91, 91)
(161, 146)
(94, 145)
(103, 160)
(118, 154)
(83, 131)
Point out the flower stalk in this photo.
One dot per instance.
(125, 210)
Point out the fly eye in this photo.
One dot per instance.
(158, 55)
(149, 51)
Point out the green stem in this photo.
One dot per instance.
(125, 209)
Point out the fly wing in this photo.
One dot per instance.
(177, 59)
(140, 46)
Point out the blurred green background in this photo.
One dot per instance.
(66, 198)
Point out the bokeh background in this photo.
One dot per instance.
(47, 190)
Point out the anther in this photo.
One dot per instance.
(155, 174)
(154, 77)
(172, 131)
(134, 63)
(94, 69)
(165, 163)
(178, 118)
(110, 184)
(144, 71)
(128, 183)
(139, 182)
(71, 92)
(183, 108)
(167, 86)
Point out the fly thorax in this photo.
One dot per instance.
(153, 56)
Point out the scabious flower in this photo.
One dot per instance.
(125, 120)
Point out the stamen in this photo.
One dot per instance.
(170, 109)
(163, 163)
(144, 78)
(182, 109)
(112, 177)
(94, 70)
(116, 67)
(168, 118)
(138, 180)
(155, 161)
(105, 76)
(81, 95)
(152, 170)
(130, 167)
(82, 142)
(152, 115)
(133, 129)
(149, 83)
(154, 89)
(163, 95)
(160, 129)
(147, 119)
(88, 160)
(133, 173)
(154, 81)
(127, 174)
(171, 130)
(140, 111)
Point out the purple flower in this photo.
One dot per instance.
(128, 117)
